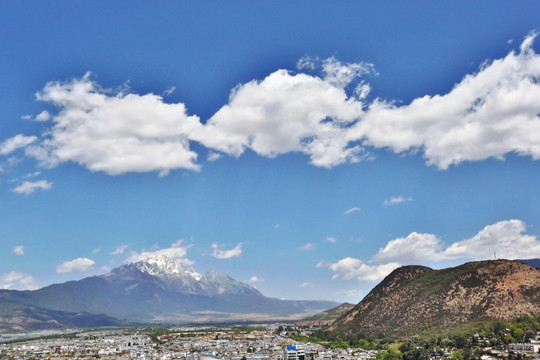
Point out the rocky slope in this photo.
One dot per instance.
(161, 289)
(416, 298)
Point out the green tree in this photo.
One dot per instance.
(457, 355)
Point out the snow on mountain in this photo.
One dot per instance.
(179, 278)
(164, 266)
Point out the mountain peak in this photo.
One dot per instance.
(160, 265)
(415, 298)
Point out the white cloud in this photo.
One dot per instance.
(96, 250)
(119, 250)
(414, 249)
(18, 250)
(255, 279)
(354, 269)
(43, 116)
(288, 113)
(331, 239)
(26, 117)
(213, 156)
(177, 251)
(29, 187)
(394, 200)
(306, 284)
(76, 265)
(342, 75)
(307, 63)
(488, 114)
(15, 280)
(308, 247)
(169, 91)
(351, 210)
(16, 142)
(226, 254)
(506, 238)
(116, 133)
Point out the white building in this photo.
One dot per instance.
(294, 352)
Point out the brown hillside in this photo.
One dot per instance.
(416, 298)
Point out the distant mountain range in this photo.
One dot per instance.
(326, 317)
(20, 317)
(413, 299)
(533, 262)
(159, 289)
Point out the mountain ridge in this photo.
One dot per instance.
(412, 299)
(164, 290)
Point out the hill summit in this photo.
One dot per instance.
(416, 298)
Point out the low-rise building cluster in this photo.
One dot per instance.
(179, 343)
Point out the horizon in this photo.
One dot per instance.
(325, 145)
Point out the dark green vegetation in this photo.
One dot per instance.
(499, 332)
(416, 300)
(471, 340)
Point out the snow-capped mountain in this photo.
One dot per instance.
(162, 289)
(164, 266)
(179, 278)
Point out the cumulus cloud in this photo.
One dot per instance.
(256, 279)
(414, 249)
(288, 112)
(487, 114)
(18, 250)
(16, 142)
(394, 200)
(76, 265)
(116, 132)
(507, 238)
(226, 254)
(120, 250)
(15, 280)
(325, 116)
(29, 187)
(177, 251)
(308, 247)
(354, 269)
(351, 210)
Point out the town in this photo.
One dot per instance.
(260, 342)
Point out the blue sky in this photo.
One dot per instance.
(304, 147)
